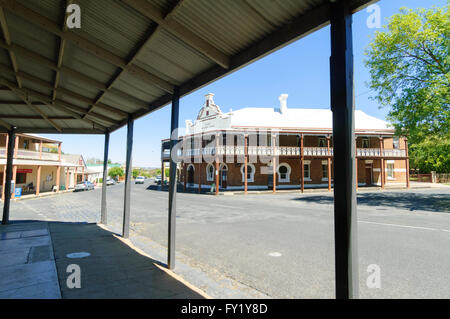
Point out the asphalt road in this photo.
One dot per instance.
(282, 245)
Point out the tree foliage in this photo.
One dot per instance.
(409, 65)
(116, 171)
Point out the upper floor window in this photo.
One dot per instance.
(322, 142)
(365, 143)
(396, 142)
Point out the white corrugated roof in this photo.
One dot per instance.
(299, 118)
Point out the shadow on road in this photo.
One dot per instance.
(425, 202)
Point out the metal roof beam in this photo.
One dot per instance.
(62, 46)
(61, 105)
(34, 117)
(147, 9)
(134, 58)
(74, 95)
(85, 44)
(40, 130)
(5, 124)
(24, 97)
(43, 61)
(15, 67)
(7, 38)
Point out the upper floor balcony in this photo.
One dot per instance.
(31, 155)
(285, 151)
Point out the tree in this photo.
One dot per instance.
(136, 172)
(116, 171)
(409, 65)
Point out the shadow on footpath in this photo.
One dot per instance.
(180, 189)
(113, 269)
(425, 202)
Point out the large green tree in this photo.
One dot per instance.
(409, 65)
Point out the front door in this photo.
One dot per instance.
(190, 175)
(369, 175)
(223, 179)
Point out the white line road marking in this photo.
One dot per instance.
(275, 254)
(405, 226)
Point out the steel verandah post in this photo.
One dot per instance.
(172, 182)
(126, 201)
(9, 164)
(104, 218)
(342, 105)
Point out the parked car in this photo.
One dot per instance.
(110, 182)
(139, 180)
(84, 186)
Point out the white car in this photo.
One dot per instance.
(84, 186)
(139, 180)
(110, 182)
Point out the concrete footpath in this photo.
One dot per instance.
(39, 261)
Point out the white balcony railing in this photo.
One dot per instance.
(35, 155)
(289, 151)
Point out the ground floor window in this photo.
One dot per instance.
(284, 172)
(390, 170)
(307, 171)
(21, 178)
(210, 173)
(250, 173)
(325, 171)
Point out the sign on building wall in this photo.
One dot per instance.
(24, 170)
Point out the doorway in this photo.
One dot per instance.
(368, 174)
(190, 179)
(223, 176)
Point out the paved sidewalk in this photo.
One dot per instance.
(35, 262)
(27, 266)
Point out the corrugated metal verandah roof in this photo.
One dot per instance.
(128, 55)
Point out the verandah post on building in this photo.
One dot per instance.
(342, 106)
(172, 180)
(8, 173)
(217, 164)
(245, 164)
(103, 217)
(407, 163)
(128, 173)
(38, 180)
(328, 164)
(382, 172)
(302, 163)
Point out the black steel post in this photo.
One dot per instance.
(8, 177)
(128, 173)
(104, 218)
(342, 105)
(173, 177)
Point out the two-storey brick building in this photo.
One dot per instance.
(39, 165)
(281, 148)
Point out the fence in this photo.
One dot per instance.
(439, 177)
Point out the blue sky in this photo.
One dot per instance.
(300, 70)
